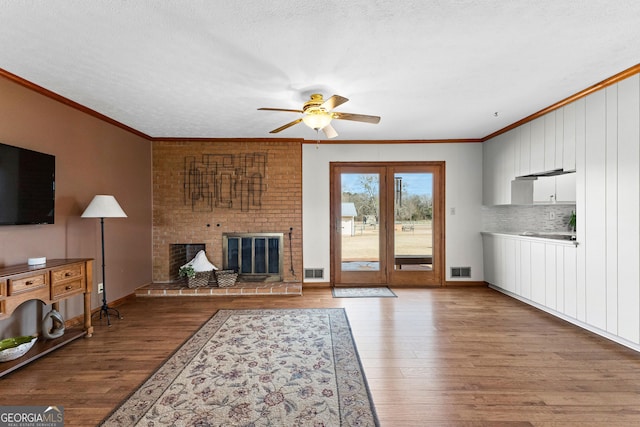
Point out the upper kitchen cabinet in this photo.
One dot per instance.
(569, 135)
(498, 156)
(536, 154)
(550, 141)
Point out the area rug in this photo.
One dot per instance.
(289, 367)
(377, 292)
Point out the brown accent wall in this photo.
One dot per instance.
(246, 201)
(92, 157)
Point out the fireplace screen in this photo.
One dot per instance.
(255, 254)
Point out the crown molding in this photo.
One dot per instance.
(583, 93)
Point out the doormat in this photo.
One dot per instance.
(287, 367)
(377, 292)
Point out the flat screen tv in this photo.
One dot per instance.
(27, 186)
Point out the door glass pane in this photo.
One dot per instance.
(260, 255)
(274, 250)
(413, 216)
(360, 212)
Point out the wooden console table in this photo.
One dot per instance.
(50, 283)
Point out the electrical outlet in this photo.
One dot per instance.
(100, 288)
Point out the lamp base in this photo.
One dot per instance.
(104, 310)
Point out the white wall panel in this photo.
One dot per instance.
(629, 209)
(581, 260)
(611, 207)
(595, 210)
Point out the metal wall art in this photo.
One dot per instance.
(231, 181)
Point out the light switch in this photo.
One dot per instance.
(453, 211)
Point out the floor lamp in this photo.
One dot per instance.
(102, 207)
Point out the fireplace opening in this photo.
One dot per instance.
(179, 255)
(255, 256)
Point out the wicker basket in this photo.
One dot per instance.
(201, 279)
(226, 278)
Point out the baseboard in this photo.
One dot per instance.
(310, 285)
(452, 283)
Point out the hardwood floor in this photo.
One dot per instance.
(432, 357)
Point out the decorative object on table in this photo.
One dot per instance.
(224, 374)
(57, 325)
(37, 260)
(377, 292)
(104, 206)
(12, 348)
(226, 278)
(198, 272)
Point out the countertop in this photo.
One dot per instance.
(559, 237)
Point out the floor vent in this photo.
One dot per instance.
(314, 273)
(460, 271)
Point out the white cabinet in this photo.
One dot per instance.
(569, 137)
(552, 189)
(541, 271)
(524, 140)
(536, 153)
(550, 141)
(498, 169)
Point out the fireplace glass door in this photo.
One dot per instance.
(253, 254)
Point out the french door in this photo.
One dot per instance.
(387, 223)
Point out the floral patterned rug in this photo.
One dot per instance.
(377, 292)
(289, 367)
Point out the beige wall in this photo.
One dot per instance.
(92, 157)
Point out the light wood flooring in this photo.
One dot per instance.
(432, 357)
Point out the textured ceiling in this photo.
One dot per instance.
(430, 69)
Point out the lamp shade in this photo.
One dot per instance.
(104, 206)
(317, 119)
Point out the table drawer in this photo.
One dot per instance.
(62, 290)
(66, 273)
(26, 284)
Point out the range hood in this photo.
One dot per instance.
(553, 172)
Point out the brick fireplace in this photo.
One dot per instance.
(206, 190)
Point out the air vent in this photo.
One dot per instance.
(460, 271)
(314, 273)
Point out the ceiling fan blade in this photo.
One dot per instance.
(280, 109)
(288, 125)
(333, 102)
(329, 131)
(356, 117)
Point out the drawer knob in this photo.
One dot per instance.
(29, 282)
(67, 274)
(68, 288)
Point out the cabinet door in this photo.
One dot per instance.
(569, 282)
(544, 189)
(524, 138)
(489, 257)
(566, 188)
(537, 145)
(488, 172)
(538, 275)
(550, 282)
(559, 162)
(569, 137)
(509, 264)
(550, 141)
(525, 269)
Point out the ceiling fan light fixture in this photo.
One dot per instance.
(317, 119)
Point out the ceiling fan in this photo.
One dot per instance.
(318, 113)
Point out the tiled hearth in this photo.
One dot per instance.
(180, 288)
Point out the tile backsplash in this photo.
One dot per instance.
(518, 218)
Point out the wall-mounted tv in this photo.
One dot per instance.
(27, 186)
